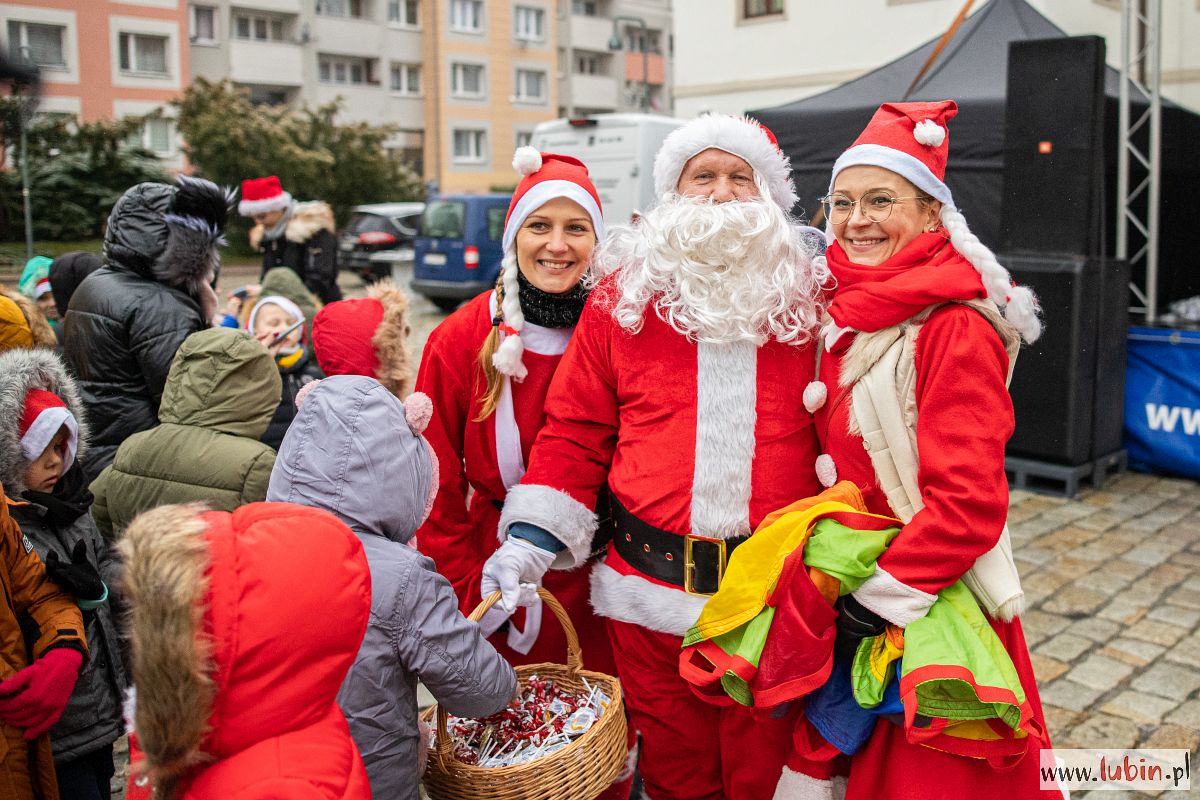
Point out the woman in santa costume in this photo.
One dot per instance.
(489, 366)
(924, 326)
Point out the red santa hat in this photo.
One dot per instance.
(342, 334)
(260, 195)
(41, 287)
(744, 137)
(545, 177)
(912, 140)
(44, 415)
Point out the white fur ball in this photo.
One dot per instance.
(527, 160)
(826, 470)
(928, 132)
(815, 395)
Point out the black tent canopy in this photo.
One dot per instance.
(972, 70)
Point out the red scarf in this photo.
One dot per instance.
(927, 271)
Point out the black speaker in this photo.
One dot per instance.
(1053, 199)
(1068, 388)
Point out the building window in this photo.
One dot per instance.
(531, 85)
(584, 8)
(406, 79)
(142, 53)
(470, 146)
(257, 28)
(345, 69)
(638, 40)
(404, 12)
(203, 25)
(529, 24)
(356, 9)
(157, 135)
(466, 16)
(524, 138)
(589, 64)
(761, 8)
(466, 80)
(42, 43)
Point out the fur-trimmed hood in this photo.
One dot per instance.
(367, 336)
(20, 371)
(41, 333)
(306, 219)
(243, 627)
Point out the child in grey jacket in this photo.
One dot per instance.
(355, 450)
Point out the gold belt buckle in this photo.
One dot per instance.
(689, 562)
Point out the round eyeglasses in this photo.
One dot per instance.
(876, 206)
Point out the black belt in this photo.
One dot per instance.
(695, 563)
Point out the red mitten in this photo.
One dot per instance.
(35, 697)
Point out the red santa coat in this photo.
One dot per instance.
(692, 438)
(460, 533)
(964, 419)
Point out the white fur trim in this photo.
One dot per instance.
(510, 460)
(929, 133)
(633, 599)
(826, 470)
(726, 389)
(44, 429)
(798, 786)
(526, 160)
(507, 358)
(896, 602)
(541, 193)
(815, 395)
(568, 520)
(741, 136)
(899, 162)
(831, 333)
(248, 208)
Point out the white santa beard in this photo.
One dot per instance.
(716, 272)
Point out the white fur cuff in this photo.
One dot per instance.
(798, 786)
(568, 520)
(629, 598)
(896, 602)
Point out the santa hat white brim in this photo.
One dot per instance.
(899, 162)
(739, 136)
(541, 193)
(248, 208)
(43, 430)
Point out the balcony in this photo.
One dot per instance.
(276, 6)
(594, 91)
(590, 33)
(274, 63)
(655, 66)
(348, 36)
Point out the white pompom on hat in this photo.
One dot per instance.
(545, 177)
(913, 141)
(744, 137)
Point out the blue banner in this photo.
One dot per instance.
(1162, 401)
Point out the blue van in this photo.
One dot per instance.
(458, 253)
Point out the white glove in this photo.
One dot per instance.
(515, 569)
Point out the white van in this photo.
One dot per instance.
(618, 150)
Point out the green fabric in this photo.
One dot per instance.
(219, 397)
(844, 553)
(284, 282)
(746, 641)
(36, 268)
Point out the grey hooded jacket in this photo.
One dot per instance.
(351, 451)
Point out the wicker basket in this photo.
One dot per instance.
(580, 771)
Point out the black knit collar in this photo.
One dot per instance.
(548, 309)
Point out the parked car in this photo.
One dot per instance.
(377, 235)
(458, 253)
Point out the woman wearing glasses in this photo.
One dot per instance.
(915, 284)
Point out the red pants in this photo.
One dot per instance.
(692, 750)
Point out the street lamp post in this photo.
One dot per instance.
(25, 113)
(615, 44)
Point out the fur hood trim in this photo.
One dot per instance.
(20, 371)
(194, 222)
(167, 559)
(307, 218)
(391, 338)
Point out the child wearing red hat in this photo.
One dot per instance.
(366, 336)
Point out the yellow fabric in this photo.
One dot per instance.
(14, 330)
(289, 360)
(757, 563)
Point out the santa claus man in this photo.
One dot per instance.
(681, 393)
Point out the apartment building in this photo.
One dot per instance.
(734, 55)
(490, 78)
(594, 77)
(105, 59)
(295, 52)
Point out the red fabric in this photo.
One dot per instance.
(342, 335)
(280, 654)
(37, 401)
(460, 534)
(255, 189)
(36, 697)
(692, 750)
(926, 271)
(892, 126)
(644, 387)
(554, 168)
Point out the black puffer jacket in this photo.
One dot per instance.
(127, 319)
